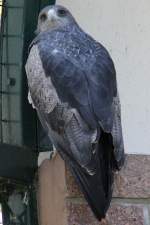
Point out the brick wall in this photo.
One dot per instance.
(131, 199)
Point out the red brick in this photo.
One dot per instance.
(133, 181)
(120, 214)
(72, 187)
(80, 214)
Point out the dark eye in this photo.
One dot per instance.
(43, 17)
(61, 12)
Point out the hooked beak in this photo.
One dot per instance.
(51, 18)
(51, 15)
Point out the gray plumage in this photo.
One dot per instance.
(72, 84)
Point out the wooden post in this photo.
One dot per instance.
(52, 193)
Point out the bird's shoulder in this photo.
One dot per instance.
(72, 43)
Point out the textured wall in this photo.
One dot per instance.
(124, 28)
(61, 202)
(131, 198)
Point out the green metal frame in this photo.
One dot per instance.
(28, 203)
(11, 64)
(18, 122)
(19, 125)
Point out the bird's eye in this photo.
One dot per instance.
(61, 12)
(43, 17)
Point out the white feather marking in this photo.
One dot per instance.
(30, 100)
(90, 172)
(55, 51)
(94, 136)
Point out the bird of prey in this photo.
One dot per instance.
(72, 85)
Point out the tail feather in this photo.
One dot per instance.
(97, 188)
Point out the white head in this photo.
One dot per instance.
(52, 17)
